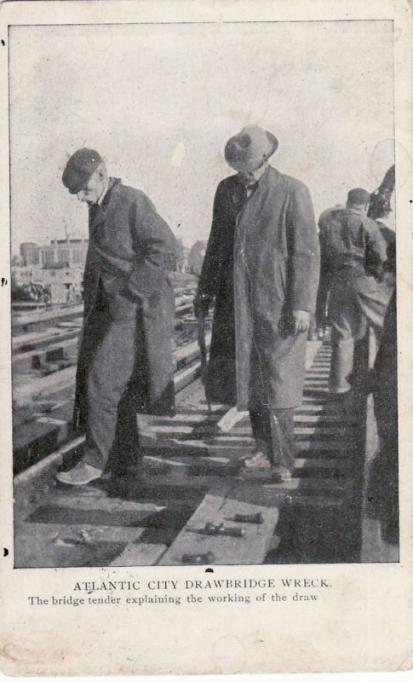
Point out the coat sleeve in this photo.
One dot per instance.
(304, 251)
(375, 249)
(325, 260)
(90, 281)
(210, 266)
(153, 240)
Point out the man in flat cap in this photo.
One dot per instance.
(125, 358)
(352, 255)
(261, 268)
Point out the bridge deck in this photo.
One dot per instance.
(191, 476)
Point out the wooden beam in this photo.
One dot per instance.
(220, 507)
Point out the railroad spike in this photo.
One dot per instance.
(213, 529)
(207, 558)
(249, 518)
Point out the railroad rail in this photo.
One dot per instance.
(190, 473)
(44, 370)
(191, 476)
(24, 321)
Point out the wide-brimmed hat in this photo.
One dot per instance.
(250, 148)
(79, 168)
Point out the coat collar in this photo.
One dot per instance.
(269, 177)
(97, 212)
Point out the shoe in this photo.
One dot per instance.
(257, 460)
(339, 395)
(281, 473)
(81, 474)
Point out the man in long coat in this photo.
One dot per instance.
(352, 252)
(125, 359)
(262, 268)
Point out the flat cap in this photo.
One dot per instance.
(79, 168)
(358, 197)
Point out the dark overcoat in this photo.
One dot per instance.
(125, 278)
(262, 262)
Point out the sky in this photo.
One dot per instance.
(159, 103)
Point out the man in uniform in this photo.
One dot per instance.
(352, 255)
(261, 267)
(125, 358)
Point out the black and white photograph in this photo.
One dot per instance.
(203, 293)
(205, 364)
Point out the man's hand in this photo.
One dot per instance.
(301, 320)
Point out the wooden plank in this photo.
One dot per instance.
(178, 430)
(323, 430)
(54, 459)
(177, 479)
(234, 447)
(28, 388)
(200, 446)
(43, 386)
(340, 446)
(192, 466)
(140, 554)
(318, 398)
(316, 383)
(324, 463)
(252, 548)
(41, 339)
(20, 359)
(190, 351)
(324, 407)
(323, 370)
(345, 420)
(45, 316)
(58, 420)
(185, 376)
(186, 419)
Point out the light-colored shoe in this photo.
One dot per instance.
(81, 474)
(258, 459)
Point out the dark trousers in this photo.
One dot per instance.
(276, 428)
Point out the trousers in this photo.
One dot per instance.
(112, 437)
(355, 304)
(276, 428)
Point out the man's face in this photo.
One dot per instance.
(251, 177)
(94, 187)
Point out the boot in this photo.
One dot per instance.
(341, 365)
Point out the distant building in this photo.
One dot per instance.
(56, 267)
(66, 251)
(24, 274)
(71, 252)
(29, 252)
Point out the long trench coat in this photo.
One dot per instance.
(262, 262)
(125, 278)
